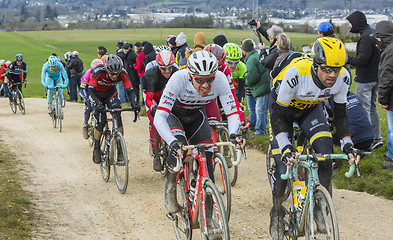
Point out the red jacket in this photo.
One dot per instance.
(139, 67)
(2, 71)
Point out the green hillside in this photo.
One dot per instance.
(37, 46)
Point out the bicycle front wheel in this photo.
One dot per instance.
(105, 166)
(222, 181)
(181, 220)
(120, 162)
(59, 113)
(13, 102)
(54, 114)
(213, 219)
(21, 102)
(229, 153)
(322, 223)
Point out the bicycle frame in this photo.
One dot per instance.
(309, 162)
(201, 177)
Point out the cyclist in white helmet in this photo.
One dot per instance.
(181, 115)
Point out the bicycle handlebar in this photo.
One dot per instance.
(136, 113)
(321, 157)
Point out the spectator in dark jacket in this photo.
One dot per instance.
(150, 54)
(121, 52)
(384, 34)
(132, 73)
(75, 66)
(366, 63)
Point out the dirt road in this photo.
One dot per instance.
(73, 202)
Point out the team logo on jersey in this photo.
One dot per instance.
(170, 94)
(231, 97)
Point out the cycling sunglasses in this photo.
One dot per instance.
(233, 62)
(165, 68)
(113, 74)
(202, 80)
(327, 69)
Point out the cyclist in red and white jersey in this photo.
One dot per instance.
(181, 116)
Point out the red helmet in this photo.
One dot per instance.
(217, 51)
(165, 58)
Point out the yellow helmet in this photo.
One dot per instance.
(329, 51)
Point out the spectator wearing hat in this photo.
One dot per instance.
(171, 42)
(325, 29)
(138, 48)
(257, 79)
(75, 67)
(181, 43)
(200, 43)
(220, 40)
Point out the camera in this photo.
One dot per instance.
(252, 22)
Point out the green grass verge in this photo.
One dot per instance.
(15, 206)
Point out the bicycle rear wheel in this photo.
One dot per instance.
(21, 102)
(322, 223)
(90, 131)
(120, 162)
(213, 219)
(105, 166)
(222, 181)
(54, 114)
(13, 102)
(229, 153)
(181, 220)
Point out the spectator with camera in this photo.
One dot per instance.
(267, 56)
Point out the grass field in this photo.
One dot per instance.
(37, 46)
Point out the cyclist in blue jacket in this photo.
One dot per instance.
(52, 74)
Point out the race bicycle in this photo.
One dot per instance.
(198, 196)
(163, 149)
(90, 129)
(16, 98)
(57, 109)
(114, 151)
(311, 211)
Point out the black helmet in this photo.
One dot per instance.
(19, 57)
(113, 64)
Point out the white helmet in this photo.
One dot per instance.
(202, 63)
(2, 62)
(162, 47)
(75, 53)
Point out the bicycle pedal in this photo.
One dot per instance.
(171, 216)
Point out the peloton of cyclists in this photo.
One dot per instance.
(297, 96)
(52, 74)
(102, 91)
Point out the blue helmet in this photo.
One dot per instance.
(19, 57)
(52, 61)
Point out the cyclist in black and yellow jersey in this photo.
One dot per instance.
(297, 95)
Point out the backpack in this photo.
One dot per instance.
(284, 63)
(79, 66)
